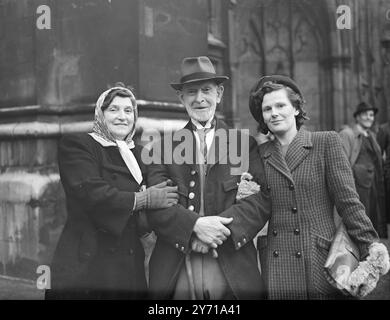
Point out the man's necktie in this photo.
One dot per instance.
(203, 145)
(202, 132)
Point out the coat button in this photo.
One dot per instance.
(244, 240)
(114, 176)
(177, 245)
(268, 188)
(191, 195)
(291, 186)
(298, 254)
(191, 207)
(294, 210)
(192, 184)
(297, 231)
(193, 172)
(182, 248)
(131, 251)
(274, 232)
(239, 244)
(276, 253)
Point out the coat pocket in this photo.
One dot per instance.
(262, 243)
(319, 254)
(88, 245)
(364, 177)
(230, 184)
(182, 190)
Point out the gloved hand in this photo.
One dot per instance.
(158, 196)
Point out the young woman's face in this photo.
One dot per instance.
(119, 117)
(278, 112)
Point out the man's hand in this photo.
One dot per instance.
(211, 230)
(201, 247)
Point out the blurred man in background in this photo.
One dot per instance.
(364, 155)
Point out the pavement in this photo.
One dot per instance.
(22, 289)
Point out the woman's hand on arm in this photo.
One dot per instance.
(159, 196)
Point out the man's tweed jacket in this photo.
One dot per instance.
(314, 176)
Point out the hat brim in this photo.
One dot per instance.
(375, 109)
(217, 79)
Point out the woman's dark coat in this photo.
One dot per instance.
(99, 255)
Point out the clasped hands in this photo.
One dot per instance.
(210, 232)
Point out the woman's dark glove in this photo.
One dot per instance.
(157, 197)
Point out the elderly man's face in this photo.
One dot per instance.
(200, 99)
(366, 118)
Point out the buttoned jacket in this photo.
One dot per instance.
(99, 254)
(174, 226)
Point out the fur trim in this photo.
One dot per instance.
(365, 277)
(246, 187)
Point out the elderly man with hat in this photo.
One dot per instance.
(204, 247)
(364, 155)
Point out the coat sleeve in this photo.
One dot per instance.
(250, 214)
(341, 186)
(108, 207)
(175, 224)
(382, 139)
(346, 142)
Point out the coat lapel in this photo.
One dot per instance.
(189, 144)
(215, 147)
(274, 157)
(299, 149)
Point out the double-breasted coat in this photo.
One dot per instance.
(174, 226)
(99, 254)
(305, 185)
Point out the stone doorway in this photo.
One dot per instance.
(282, 37)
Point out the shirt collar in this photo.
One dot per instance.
(209, 124)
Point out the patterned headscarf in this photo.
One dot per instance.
(100, 127)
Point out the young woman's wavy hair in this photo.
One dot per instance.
(256, 99)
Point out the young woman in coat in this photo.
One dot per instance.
(99, 254)
(307, 174)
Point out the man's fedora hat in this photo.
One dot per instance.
(364, 106)
(194, 69)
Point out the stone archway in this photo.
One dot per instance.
(284, 37)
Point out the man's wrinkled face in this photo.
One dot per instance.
(200, 99)
(366, 119)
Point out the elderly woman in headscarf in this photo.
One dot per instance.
(99, 254)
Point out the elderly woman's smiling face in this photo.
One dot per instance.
(119, 117)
